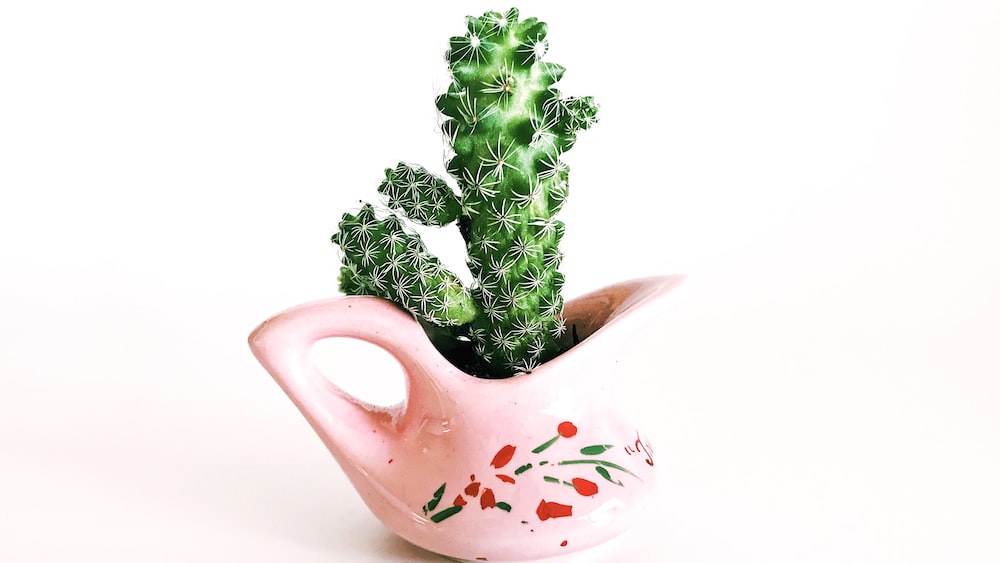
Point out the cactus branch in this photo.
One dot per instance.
(382, 258)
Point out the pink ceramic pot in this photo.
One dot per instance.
(517, 469)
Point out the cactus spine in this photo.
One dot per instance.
(508, 127)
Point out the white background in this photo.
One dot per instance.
(171, 173)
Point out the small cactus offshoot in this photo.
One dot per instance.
(508, 128)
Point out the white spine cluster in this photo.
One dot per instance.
(421, 196)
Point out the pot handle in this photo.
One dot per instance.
(282, 345)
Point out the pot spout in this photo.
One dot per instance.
(623, 306)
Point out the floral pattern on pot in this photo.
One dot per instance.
(608, 473)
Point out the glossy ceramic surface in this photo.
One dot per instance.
(525, 468)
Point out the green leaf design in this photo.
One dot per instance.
(503, 506)
(598, 462)
(550, 479)
(432, 504)
(596, 450)
(522, 469)
(446, 513)
(607, 475)
(545, 446)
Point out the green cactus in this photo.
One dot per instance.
(508, 127)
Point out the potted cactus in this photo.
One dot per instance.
(508, 127)
(475, 463)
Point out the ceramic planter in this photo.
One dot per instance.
(517, 469)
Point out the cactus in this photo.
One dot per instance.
(508, 127)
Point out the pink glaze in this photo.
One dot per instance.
(534, 466)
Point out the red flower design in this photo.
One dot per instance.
(472, 489)
(548, 510)
(585, 487)
(503, 456)
(567, 429)
(488, 500)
